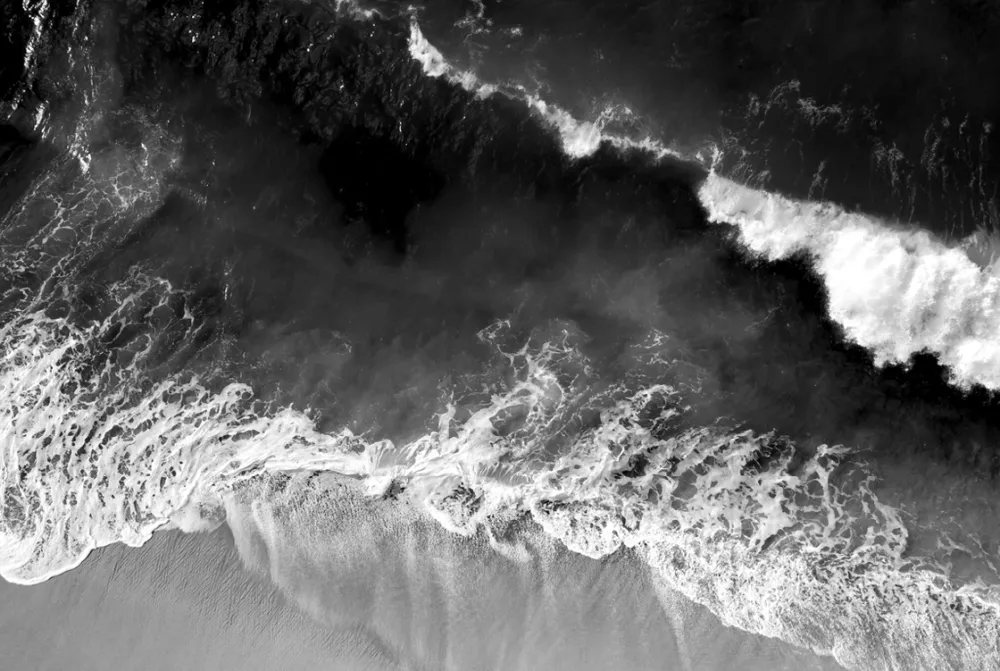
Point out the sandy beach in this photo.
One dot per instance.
(381, 592)
(179, 602)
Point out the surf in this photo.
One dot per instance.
(796, 540)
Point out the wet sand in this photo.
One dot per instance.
(187, 602)
(180, 602)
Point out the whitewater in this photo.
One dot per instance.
(775, 538)
(896, 290)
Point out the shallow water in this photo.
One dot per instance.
(412, 599)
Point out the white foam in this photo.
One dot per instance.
(797, 557)
(434, 64)
(87, 464)
(808, 554)
(39, 12)
(722, 515)
(579, 139)
(88, 459)
(896, 291)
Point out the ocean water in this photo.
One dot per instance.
(655, 336)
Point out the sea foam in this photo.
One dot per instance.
(839, 575)
(775, 539)
(896, 291)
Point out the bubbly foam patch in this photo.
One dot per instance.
(97, 446)
(774, 539)
(895, 291)
(93, 454)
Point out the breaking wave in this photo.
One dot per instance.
(895, 291)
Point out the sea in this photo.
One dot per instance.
(492, 334)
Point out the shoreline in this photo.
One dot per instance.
(187, 601)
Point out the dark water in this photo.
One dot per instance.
(885, 107)
(243, 239)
